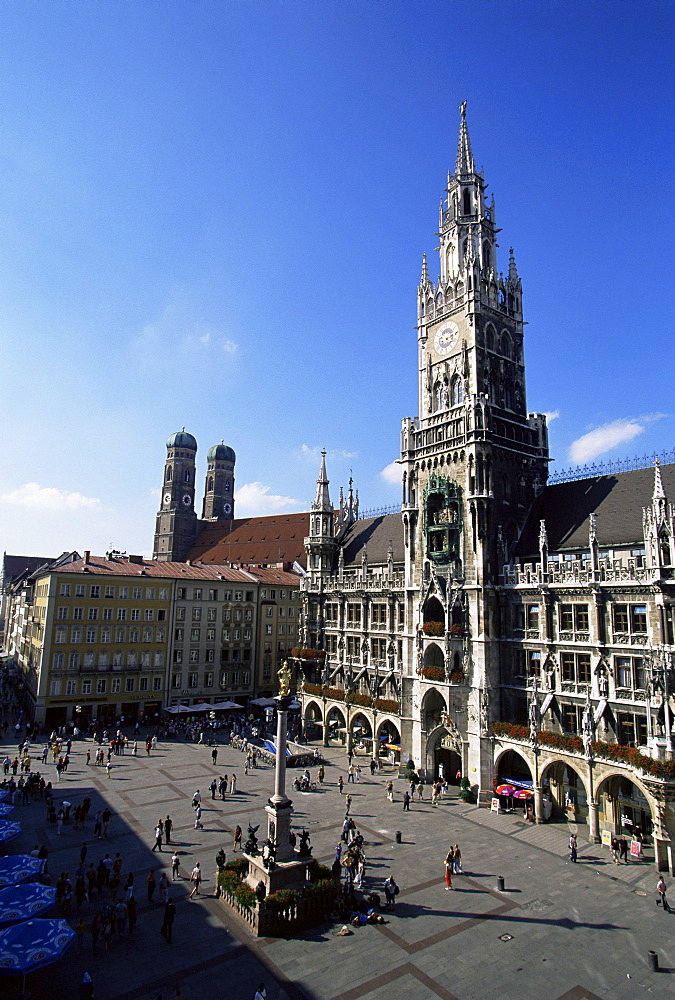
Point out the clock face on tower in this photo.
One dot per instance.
(227, 507)
(167, 498)
(446, 338)
(187, 500)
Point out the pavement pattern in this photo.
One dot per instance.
(559, 931)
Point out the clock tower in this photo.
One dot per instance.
(473, 462)
(219, 487)
(176, 522)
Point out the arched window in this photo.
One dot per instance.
(457, 390)
(74, 661)
(438, 396)
(487, 255)
(169, 473)
(466, 202)
(490, 338)
(209, 484)
(186, 477)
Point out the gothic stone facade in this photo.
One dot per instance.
(453, 612)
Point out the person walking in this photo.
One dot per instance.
(166, 929)
(573, 847)
(348, 804)
(237, 836)
(168, 827)
(152, 885)
(260, 993)
(214, 756)
(233, 784)
(406, 801)
(390, 791)
(163, 891)
(198, 818)
(213, 787)
(623, 850)
(321, 774)
(175, 866)
(391, 891)
(158, 838)
(661, 888)
(449, 865)
(196, 877)
(341, 784)
(457, 867)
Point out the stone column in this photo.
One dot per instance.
(279, 807)
(593, 822)
(538, 804)
(325, 723)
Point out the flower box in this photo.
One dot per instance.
(436, 629)
(433, 673)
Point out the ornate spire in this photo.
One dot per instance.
(424, 280)
(659, 492)
(513, 273)
(322, 498)
(464, 155)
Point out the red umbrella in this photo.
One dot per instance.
(523, 793)
(505, 789)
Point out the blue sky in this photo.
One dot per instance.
(213, 215)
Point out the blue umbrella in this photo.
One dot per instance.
(5, 810)
(4, 794)
(20, 902)
(8, 831)
(32, 944)
(19, 868)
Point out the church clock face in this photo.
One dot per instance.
(227, 507)
(187, 500)
(167, 498)
(446, 338)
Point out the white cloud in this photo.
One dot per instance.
(176, 331)
(392, 473)
(314, 454)
(48, 498)
(551, 415)
(604, 438)
(255, 500)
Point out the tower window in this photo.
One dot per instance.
(466, 202)
(169, 473)
(187, 476)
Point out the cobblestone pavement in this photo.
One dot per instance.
(559, 932)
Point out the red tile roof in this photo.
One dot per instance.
(114, 567)
(253, 541)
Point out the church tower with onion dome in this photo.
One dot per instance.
(176, 523)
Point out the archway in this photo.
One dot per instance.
(433, 611)
(313, 721)
(433, 708)
(433, 667)
(566, 791)
(446, 751)
(361, 733)
(337, 725)
(624, 810)
(388, 741)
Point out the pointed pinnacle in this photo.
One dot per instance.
(465, 163)
(659, 492)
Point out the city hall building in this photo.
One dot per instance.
(501, 627)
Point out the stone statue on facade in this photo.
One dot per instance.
(533, 713)
(588, 726)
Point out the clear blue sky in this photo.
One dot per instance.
(213, 215)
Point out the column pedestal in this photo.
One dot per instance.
(593, 823)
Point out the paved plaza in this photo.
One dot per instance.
(558, 931)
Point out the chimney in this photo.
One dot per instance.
(87, 554)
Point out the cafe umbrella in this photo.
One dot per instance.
(8, 831)
(32, 944)
(21, 902)
(15, 868)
